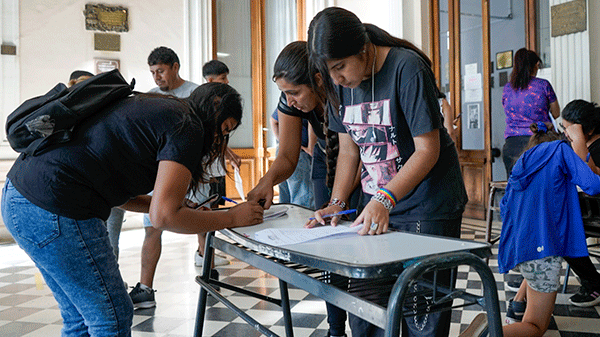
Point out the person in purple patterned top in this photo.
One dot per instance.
(526, 100)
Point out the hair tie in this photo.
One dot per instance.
(542, 127)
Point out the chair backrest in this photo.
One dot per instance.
(590, 212)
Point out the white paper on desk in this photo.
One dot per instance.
(239, 185)
(289, 236)
(275, 211)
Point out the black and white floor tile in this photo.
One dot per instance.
(27, 307)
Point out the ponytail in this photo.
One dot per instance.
(542, 132)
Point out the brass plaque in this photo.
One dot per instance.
(8, 49)
(106, 18)
(569, 17)
(107, 42)
(104, 65)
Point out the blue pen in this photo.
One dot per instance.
(350, 211)
(230, 200)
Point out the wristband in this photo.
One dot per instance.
(388, 194)
(337, 202)
(382, 199)
(587, 158)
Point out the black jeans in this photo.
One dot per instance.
(512, 150)
(585, 269)
(432, 324)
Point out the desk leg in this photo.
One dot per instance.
(285, 307)
(445, 261)
(206, 266)
(200, 312)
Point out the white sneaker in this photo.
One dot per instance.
(218, 259)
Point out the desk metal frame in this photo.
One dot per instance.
(296, 269)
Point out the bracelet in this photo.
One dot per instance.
(382, 199)
(587, 158)
(389, 195)
(337, 202)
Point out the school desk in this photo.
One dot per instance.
(406, 256)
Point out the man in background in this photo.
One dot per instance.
(217, 71)
(164, 65)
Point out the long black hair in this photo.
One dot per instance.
(213, 103)
(585, 113)
(525, 62)
(336, 33)
(292, 65)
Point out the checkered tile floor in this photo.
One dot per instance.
(27, 307)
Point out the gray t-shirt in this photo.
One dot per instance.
(183, 91)
(404, 105)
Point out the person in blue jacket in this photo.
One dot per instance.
(542, 222)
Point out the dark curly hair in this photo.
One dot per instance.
(163, 55)
(585, 113)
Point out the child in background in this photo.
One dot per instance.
(542, 223)
(581, 120)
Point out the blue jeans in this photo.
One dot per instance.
(297, 189)
(76, 260)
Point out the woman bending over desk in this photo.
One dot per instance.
(54, 203)
(389, 118)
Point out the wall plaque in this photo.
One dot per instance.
(8, 49)
(104, 65)
(107, 42)
(106, 18)
(569, 17)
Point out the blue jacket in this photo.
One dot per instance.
(540, 210)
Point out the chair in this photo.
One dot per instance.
(495, 187)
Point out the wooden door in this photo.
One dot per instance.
(463, 72)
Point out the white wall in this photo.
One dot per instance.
(54, 41)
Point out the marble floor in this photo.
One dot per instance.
(27, 307)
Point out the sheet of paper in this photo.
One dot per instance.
(275, 211)
(289, 236)
(239, 185)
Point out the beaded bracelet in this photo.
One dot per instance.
(337, 202)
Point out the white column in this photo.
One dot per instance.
(571, 63)
(9, 69)
(197, 37)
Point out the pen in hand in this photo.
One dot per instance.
(230, 200)
(350, 211)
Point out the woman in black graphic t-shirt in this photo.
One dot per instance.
(413, 180)
(53, 203)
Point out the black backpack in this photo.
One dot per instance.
(46, 120)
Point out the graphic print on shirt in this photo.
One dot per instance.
(370, 126)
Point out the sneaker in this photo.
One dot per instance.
(477, 328)
(514, 284)
(218, 259)
(585, 298)
(515, 311)
(142, 297)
